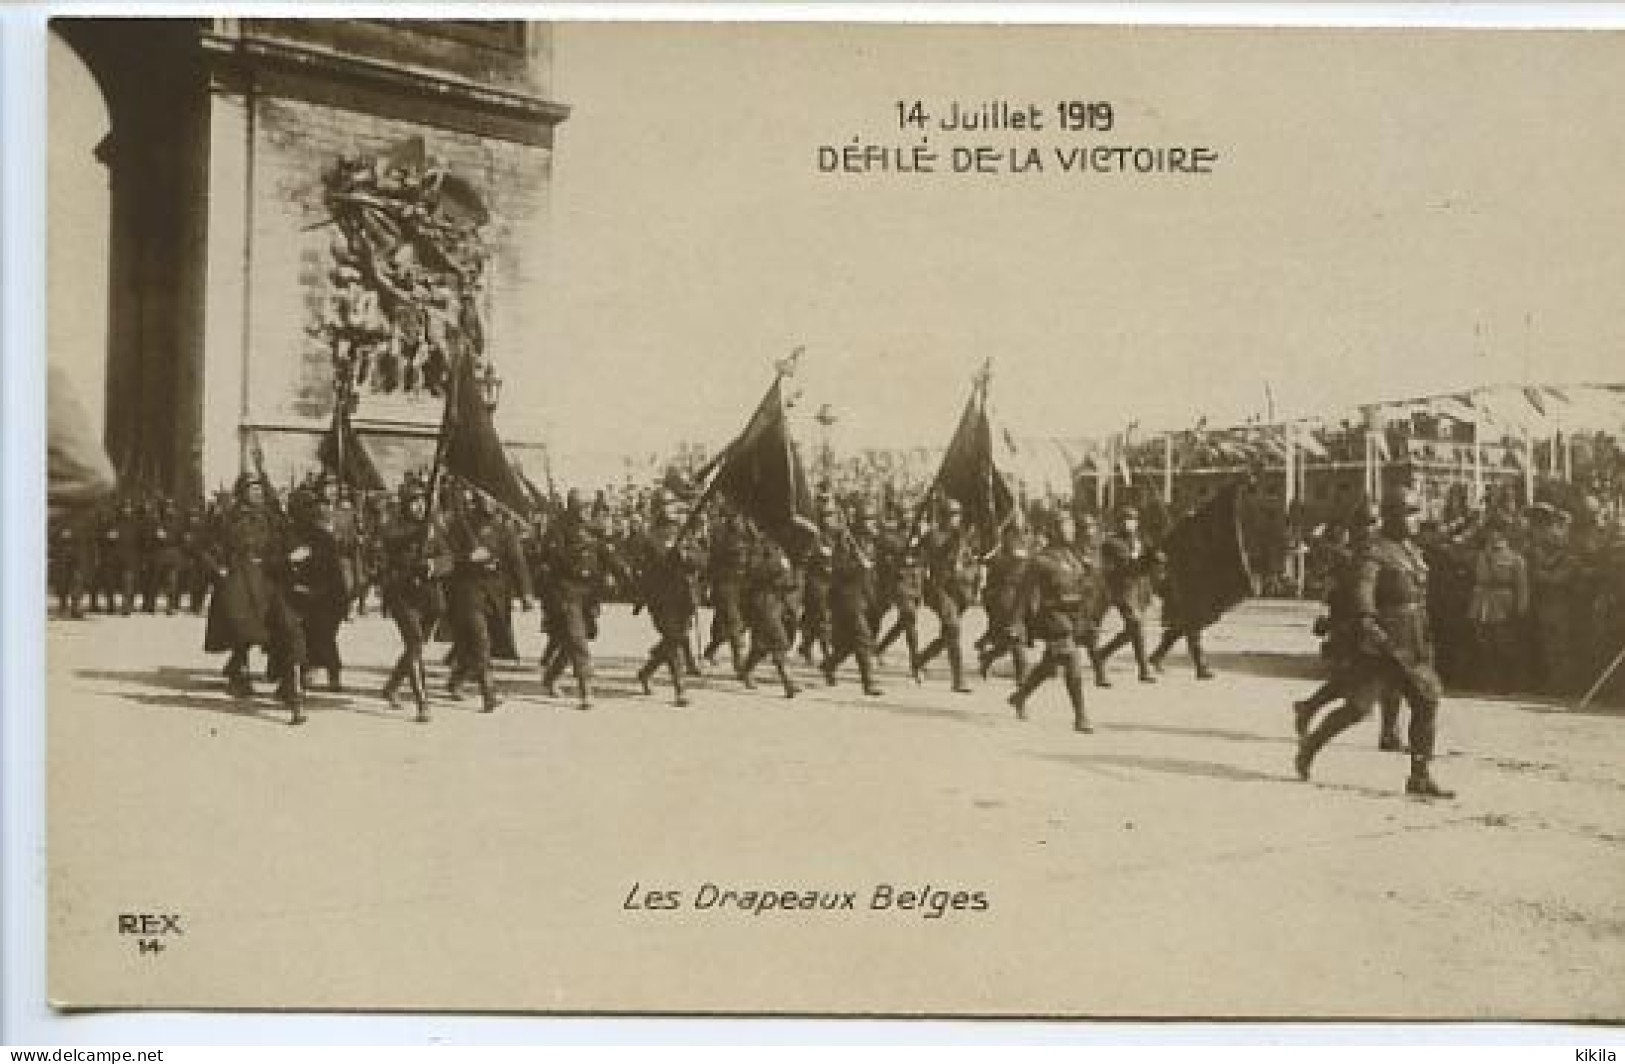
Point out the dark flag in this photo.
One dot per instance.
(473, 450)
(762, 476)
(1207, 558)
(968, 475)
(344, 457)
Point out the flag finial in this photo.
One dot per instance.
(787, 366)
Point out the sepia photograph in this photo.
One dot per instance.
(835, 519)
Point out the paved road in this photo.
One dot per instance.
(1169, 864)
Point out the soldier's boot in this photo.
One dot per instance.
(1389, 740)
(675, 663)
(736, 652)
(866, 673)
(1165, 644)
(397, 677)
(929, 654)
(985, 657)
(552, 669)
(1333, 725)
(711, 648)
(420, 691)
(1018, 660)
(583, 673)
(782, 667)
(956, 666)
(916, 667)
(1303, 713)
(647, 673)
(1146, 675)
(1034, 680)
(454, 682)
(1097, 665)
(1199, 658)
(1113, 645)
(292, 693)
(488, 693)
(747, 667)
(1421, 783)
(335, 681)
(237, 678)
(1074, 692)
(827, 667)
(690, 666)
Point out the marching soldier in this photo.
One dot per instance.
(484, 554)
(668, 593)
(1553, 570)
(576, 560)
(950, 576)
(851, 589)
(1006, 620)
(248, 607)
(1395, 647)
(415, 558)
(1176, 622)
(316, 584)
(1500, 601)
(815, 582)
(770, 585)
(1129, 563)
(906, 592)
(1059, 593)
(729, 557)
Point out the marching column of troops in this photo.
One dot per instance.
(283, 574)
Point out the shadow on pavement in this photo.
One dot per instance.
(1201, 733)
(1172, 765)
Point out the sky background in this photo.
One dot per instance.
(1394, 213)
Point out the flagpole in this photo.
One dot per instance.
(1168, 468)
(978, 398)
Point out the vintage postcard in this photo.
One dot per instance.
(836, 519)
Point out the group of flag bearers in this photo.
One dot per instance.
(779, 564)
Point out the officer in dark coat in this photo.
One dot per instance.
(244, 537)
(1395, 646)
(770, 583)
(950, 578)
(1130, 565)
(1006, 617)
(1058, 593)
(316, 587)
(852, 587)
(668, 592)
(415, 559)
(1554, 573)
(1176, 621)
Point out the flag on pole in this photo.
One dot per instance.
(1207, 558)
(344, 457)
(969, 476)
(473, 450)
(761, 474)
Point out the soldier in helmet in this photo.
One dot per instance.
(1395, 646)
(415, 558)
(316, 585)
(852, 587)
(119, 554)
(483, 553)
(950, 574)
(1006, 618)
(1129, 566)
(668, 591)
(1058, 593)
(770, 583)
(729, 558)
(906, 591)
(577, 562)
(816, 633)
(166, 553)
